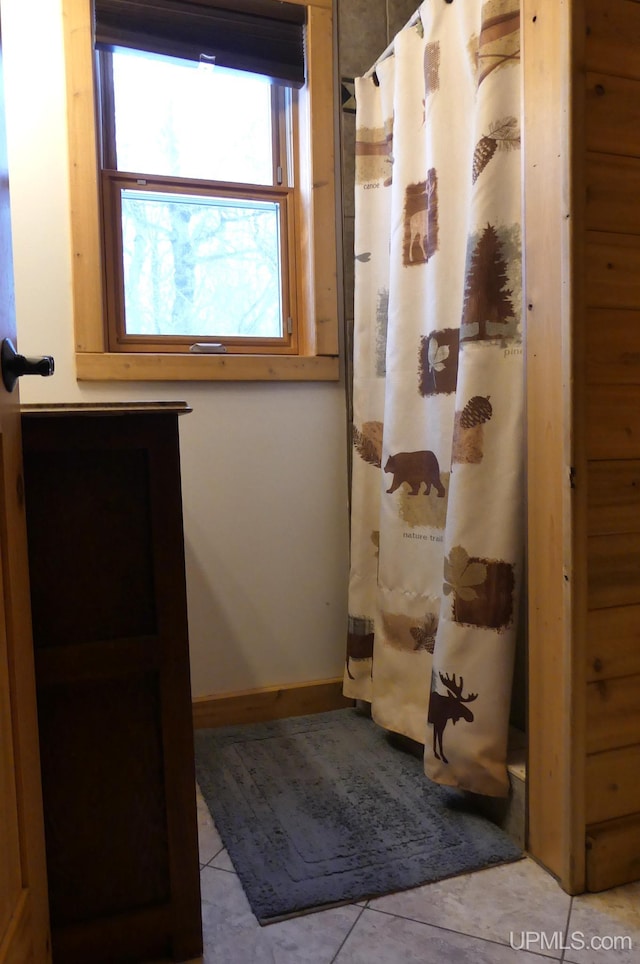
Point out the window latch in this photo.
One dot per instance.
(207, 62)
(208, 348)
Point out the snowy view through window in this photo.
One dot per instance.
(196, 262)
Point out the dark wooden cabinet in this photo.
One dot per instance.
(104, 517)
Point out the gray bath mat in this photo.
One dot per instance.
(323, 809)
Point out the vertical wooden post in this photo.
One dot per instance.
(553, 159)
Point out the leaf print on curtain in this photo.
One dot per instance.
(439, 362)
(437, 484)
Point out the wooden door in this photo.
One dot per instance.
(24, 929)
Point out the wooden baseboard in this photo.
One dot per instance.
(269, 703)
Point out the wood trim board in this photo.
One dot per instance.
(269, 703)
(553, 178)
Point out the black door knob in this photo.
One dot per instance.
(15, 365)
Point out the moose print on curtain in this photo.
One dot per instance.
(437, 501)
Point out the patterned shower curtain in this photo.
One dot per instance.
(437, 492)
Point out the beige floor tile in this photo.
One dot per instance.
(233, 936)
(605, 928)
(497, 904)
(222, 861)
(383, 939)
(209, 842)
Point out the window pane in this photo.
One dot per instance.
(201, 266)
(184, 120)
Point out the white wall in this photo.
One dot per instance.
(263, 466)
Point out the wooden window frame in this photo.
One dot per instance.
(118, 339)
(115, 180)
(313, 209)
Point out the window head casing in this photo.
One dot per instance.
(198, 202)
(295, 200)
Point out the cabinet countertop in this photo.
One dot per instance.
(107, 408)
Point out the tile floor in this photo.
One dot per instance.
(472, 919)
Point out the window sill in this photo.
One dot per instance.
(119, 366)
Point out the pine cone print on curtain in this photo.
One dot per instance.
(476, 412)
(425, 634)
(468, 434)
(504, 135)
(405, 632)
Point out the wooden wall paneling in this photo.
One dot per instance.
(613, 37)
(614, 570)
(552, 38)
(613, 853)
(613, 346)
(613, 193)
(613, 642)
(612, 114)
(613, 371)
(614, 497)
(614, 426)
(613, 788)
(613, 714)
(582, 221)
(613, 269)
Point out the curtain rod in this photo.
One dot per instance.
(387, 52)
